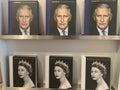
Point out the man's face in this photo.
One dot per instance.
(102, 18)
(24, 18)
(62, 18)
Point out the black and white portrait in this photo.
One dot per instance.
(60, 72)
(97, 73)
(24, 71)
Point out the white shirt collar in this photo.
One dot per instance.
(22, 31)
(61, 33)
(100, 31)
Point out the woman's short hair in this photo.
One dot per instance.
(101, 67)
(64, 66)
(27, 65)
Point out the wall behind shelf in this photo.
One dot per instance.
(85, 46)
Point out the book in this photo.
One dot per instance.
(1, 80)
(23, 71)
(119, 82)
(65, 20)
(58, 67)
(116, 82)
(23, 18)
(0, 17)
(100, 17)
(95, 70)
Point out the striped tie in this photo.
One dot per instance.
(103, 32)
(63, 31)
(25, 32)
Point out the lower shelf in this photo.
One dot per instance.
(19, 88)
(8, 88)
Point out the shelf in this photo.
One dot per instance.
(19, 88)
(51, 37)
(8, 88)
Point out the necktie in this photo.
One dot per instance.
(25, 32)
(63, 31)
(103, 31)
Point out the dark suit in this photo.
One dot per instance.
(34, 30)
(54, 31)
(94, 31)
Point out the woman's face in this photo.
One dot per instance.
(58, 72)
(95, 73)
(22, 71)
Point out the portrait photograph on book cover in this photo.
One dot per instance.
(96, 73)
(24, 71)
(61, 17)
(23, 18)
(60, 73)
(100, 17)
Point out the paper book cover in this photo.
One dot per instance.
(23, 18)
(1, 78)
(23, 71)
(95, 72)
(58, 72)
(100, 17)
(61, 16)
(119, 82)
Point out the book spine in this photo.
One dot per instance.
(86, 16)
(48, 17)
(11, 71)
(10, 17)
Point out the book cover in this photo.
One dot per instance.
(61, 17)
(23, 18)
(1, 80)
(119, 82)
(23, 71)
(58, 72)
(100, 17)
(95, 72)
(0, 17)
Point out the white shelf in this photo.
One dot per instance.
(51, 37)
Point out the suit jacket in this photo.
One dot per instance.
(94, 31)
(33, 31)
(54, 31)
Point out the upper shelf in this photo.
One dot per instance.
(51, 37)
